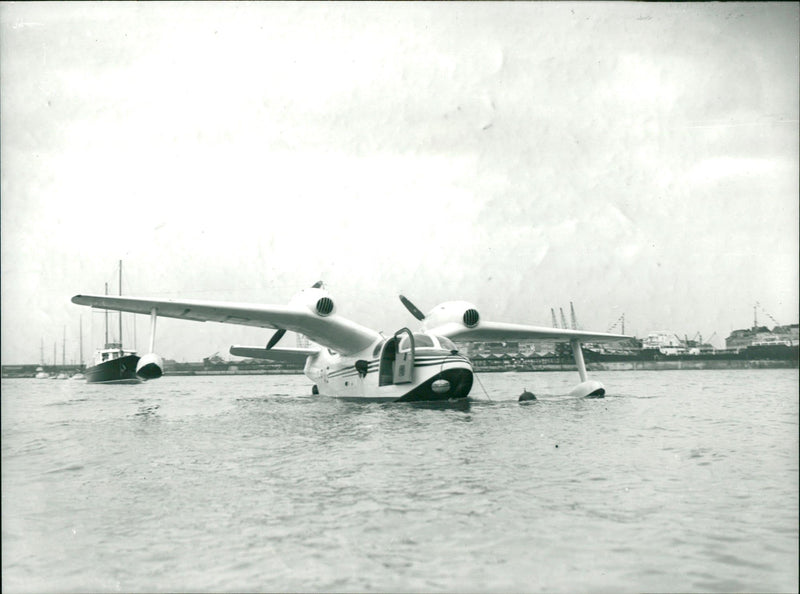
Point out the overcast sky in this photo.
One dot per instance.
(636, 158)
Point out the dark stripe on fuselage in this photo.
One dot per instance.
(418, 362)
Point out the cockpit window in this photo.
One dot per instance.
(421, 341)
(446, 343)
(377, 348)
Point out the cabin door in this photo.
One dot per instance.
(386, 369)
(404, 360)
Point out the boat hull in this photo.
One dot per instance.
(115, 371)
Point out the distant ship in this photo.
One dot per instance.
(761, 336)
(758, 343)
(113, 364)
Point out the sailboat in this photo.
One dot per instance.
(79, 374)
(40, 372)
(113, 364)
(61, 375)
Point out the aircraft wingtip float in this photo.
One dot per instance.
(353, 362)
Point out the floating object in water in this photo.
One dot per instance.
(526, 396)
(588, 389)
(151, 366)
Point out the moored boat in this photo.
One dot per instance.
(113, 364)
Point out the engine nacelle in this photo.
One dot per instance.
(150, 366)
(462, 313)
(317, 300)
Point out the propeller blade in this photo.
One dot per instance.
(412, 308)
(275, 338)
(279, 334)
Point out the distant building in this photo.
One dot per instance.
(665, 341)
(509, 347)
(214, 359)
(790, 332)
(761, 336)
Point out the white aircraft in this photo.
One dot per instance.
(354, 362)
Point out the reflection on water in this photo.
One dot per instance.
(462, 404)
(676, 481)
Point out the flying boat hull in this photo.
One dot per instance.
(435, 377)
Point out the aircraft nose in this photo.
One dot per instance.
(460, 381)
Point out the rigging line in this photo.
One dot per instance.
(481, 383)
(441, 369)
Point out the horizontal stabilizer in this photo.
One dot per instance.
(285, 354)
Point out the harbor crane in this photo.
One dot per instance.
(563, 319)
(619, 320)
(572, 316)
(755, 315)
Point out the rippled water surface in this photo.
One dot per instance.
(676, 481)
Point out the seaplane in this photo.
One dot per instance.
(352, 362)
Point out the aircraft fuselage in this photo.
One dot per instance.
(383, 373)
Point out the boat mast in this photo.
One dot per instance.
(80, 338)
(106, 319)
(64, 348)
(120, 312)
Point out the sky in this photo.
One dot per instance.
(631, 158)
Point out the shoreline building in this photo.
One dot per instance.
(763, 336)
(665, 341)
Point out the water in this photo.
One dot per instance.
(677, 481)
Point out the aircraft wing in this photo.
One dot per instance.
(332, 331)
(504, 331)
(285, 354)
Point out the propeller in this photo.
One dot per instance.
(275, 338)
(412, 308)
(279, 334)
